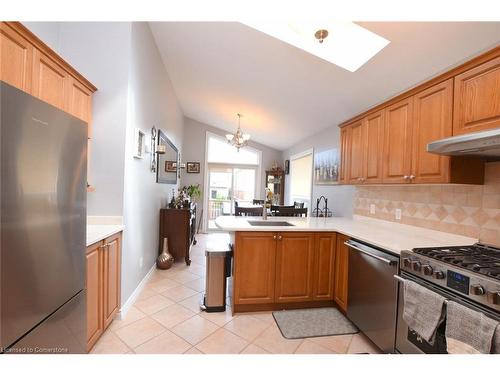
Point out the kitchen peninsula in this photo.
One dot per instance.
(305, 264)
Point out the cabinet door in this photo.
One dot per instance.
(432, 120)
(341, 272)
(294, 267)
(254, 267)
(374, 145)
(397, 145)
(16, 59)
(111, 275)
(344, 155)
(79, 101)
(476, 103)
(93, 285)
(357, 152)
(50, 81)
(324, 266)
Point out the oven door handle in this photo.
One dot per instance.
(399, 278)
(387, 261)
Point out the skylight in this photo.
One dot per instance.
(347, 45)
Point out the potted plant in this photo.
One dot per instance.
(193, 191)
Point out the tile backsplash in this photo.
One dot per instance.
(468, 210)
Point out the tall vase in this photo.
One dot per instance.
(165, 259)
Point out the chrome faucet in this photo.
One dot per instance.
(264, 206)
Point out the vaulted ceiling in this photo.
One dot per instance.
(285, 94)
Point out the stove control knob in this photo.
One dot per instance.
(406, 262)
(477, 290)
(438, 275)
(427, 270)
(416, 266)
(493, 297)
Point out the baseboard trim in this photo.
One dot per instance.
(133, 297)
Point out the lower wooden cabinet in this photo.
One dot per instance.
(254, 267)
(324, 266)
(341, 276)
(276, 268)
(294, 267)
(102, 286)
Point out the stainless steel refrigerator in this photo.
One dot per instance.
(43, 171)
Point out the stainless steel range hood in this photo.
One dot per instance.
(485, 144)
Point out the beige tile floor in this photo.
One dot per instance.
(166, 319)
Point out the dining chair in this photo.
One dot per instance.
(298, 204)
(291, 211)
(248, 211)
(276, 208)
(258, 201)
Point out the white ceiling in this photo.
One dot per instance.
(285, 94)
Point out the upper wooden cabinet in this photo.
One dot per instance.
(79, 102)
(463, 100)
(405, 128)
(432, 113)
(397, 145)
(477, 98)
(16, 58)
(357, 151)
(344, 155)
(50, 81)
(374, 143)
(30, 65)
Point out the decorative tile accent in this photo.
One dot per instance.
(468, 210)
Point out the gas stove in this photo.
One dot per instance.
(471, 271)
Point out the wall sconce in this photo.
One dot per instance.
(153, 149)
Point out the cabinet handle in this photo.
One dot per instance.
(280, 237)
(406, 177)
(274, 237)
(412, 177)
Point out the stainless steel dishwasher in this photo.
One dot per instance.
(373, 293)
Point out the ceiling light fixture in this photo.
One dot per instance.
(238, 139)
(321, 35)
(349, 46)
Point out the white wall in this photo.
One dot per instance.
(134, 90)
(193, 149)
(151, 102)
(101, 52)
(48, 32)
(340, 197)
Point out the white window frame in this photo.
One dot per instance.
(299, 155)
(206, 182)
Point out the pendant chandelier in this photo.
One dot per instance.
(238, 139)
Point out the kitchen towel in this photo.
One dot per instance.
(469, 331)
(423, 310)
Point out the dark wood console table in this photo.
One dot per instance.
(179, 226)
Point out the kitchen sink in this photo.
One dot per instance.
(259, 223)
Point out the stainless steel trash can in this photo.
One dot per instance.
(217, 272)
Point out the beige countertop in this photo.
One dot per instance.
(97, 233)
(387, 235)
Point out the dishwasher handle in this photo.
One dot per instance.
(386, 261)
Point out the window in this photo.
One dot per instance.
(301, 178)
(219, 151)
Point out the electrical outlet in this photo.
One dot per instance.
(398, 213)
(372, 209)
(141, 262)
